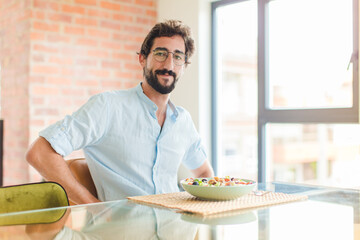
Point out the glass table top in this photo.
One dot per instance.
(329, 213)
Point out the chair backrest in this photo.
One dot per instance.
(31, 196)
(80, 170)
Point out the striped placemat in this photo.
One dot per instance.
(188, 203)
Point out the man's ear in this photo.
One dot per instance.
(142, 60)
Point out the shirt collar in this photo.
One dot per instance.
(152, 106)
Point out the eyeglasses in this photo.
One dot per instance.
(161, 55)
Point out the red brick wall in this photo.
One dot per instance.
(14, 62)
(75, 48)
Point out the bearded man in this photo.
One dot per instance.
(133, 140)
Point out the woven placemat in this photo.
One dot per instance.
(188, 203)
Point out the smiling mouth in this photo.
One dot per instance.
(165, 77)
(165, 74)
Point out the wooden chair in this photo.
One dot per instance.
(80, 170)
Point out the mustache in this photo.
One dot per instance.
(165, 71)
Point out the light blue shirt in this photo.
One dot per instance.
(127, 151)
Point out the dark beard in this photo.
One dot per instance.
(153, 81)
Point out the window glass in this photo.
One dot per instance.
(310, 46)
(327, 154)
(237, 89)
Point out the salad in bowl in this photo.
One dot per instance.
(218, 188)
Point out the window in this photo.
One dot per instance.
(286, 108)
(309, 56)
(236, 89)
(326, 154)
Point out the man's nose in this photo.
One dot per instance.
(169, 62)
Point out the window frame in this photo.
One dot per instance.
(265, 114)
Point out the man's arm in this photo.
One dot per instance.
(205, 170)
(53, 167)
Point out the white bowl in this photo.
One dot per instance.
(219, 192)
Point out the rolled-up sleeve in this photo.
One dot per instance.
(84, 127)
(195, 155)
(56, 136)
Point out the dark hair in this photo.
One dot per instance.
(169, 28)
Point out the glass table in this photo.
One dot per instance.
(329, 213)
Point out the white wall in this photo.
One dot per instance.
(193, 90)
